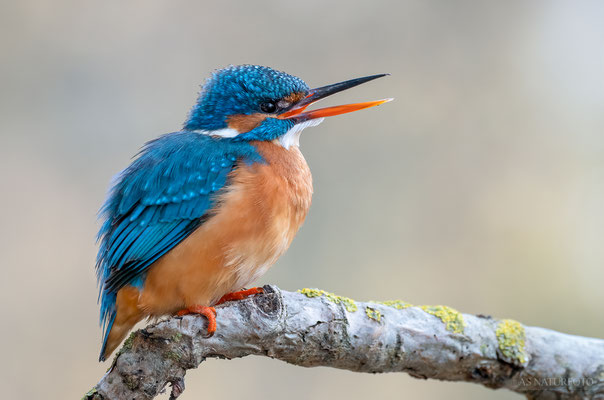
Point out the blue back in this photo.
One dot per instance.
(161, 198)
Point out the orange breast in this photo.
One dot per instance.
(254, 222)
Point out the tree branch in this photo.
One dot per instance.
(315, 328)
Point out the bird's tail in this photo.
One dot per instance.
(106, 333)
(120, 320)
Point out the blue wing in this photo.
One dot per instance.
(155, 203)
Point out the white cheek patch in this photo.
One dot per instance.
(292, 137)
(283, 104)
(225, 132)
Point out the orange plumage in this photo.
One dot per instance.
(253, 223)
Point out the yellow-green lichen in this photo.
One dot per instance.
(311, 292)
(131, 382)
(373, 314)
(127, 343)
(398, 304)
(511, 340)
(349, 304)
(125, 347)
(90, 394)
(176, 337)
(452, 319)
(173, 355)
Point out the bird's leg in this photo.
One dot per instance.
(208, 312)
(240, 295)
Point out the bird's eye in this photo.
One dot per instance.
(268, 107)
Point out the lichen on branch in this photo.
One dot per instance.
(313, 327)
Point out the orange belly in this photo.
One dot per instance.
(254, 222)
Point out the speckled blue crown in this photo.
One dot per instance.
(239, 90)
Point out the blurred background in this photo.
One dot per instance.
(480, 187)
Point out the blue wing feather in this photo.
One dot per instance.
(155, 203)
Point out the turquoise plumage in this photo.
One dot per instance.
(157, 202)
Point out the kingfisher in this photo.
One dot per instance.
(203, 212)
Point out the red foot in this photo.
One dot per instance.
(208, 312)
(240, 295)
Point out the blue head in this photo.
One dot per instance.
(251, 102)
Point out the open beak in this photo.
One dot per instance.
(298, 113)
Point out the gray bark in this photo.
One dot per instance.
(320, 329)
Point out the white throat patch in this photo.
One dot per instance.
(225, 133)
(292, 137)
(287, 140)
